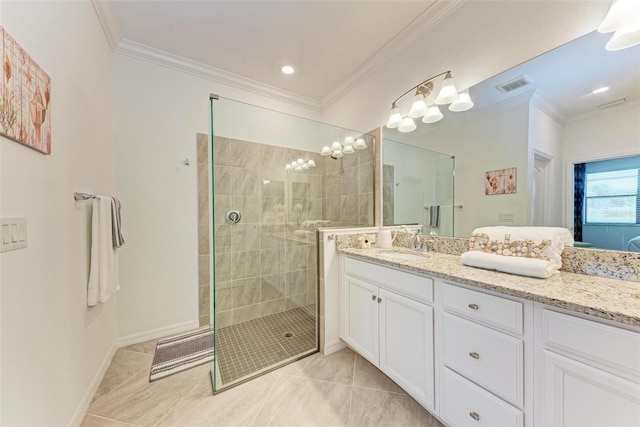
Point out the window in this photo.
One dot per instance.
(612, 197)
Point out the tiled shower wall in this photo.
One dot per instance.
(267, 263)
(349, 186)
(204, 220)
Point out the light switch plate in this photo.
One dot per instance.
(14, 233)
(506, 217)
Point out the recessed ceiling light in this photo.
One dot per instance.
(600, 90)
(287, 69)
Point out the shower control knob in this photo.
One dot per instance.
(233, 216)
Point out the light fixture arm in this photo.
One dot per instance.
(393, 104)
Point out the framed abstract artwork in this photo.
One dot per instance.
(25, 97)
(501, 181)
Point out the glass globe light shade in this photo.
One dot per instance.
(418, 107)
(462, 103)
(395, 118)
(448, 92)
(433, 115)
(407, 125)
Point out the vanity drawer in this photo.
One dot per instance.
(494, 311)
(489, 358)
(419, 288)
(463, 403)
(606, 345)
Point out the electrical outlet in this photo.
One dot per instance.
(505, 217)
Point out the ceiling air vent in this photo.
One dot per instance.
(514, 84)
(612, 104)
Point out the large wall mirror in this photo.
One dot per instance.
(548, 118)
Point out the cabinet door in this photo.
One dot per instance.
(580, 395)
(362, 323)
(406, 345)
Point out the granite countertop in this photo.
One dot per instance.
(616, 300)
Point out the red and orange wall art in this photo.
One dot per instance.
(25, 97)
(501, 181)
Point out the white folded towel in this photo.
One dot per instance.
(515, 265)
(103, 275)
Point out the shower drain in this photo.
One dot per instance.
(288, 335)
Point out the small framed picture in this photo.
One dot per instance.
(501, 181)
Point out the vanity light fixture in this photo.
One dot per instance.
(623, 19)
(600, 90)
(299, 165)
(430, 113)
(338, 149)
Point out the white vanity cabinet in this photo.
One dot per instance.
(387, 318)
(482, 345)
(474, 357)
(589, 371)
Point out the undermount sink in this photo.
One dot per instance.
(400, 255)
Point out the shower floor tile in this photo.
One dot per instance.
(260, 343)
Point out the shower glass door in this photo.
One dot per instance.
(271, 191)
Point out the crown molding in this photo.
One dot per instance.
(547, 106)
(416, 29)
(109, 21)
(176, 62)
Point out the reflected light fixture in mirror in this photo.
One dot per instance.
(337, 149)
(623, 19)
(430, 113)
(299, 165)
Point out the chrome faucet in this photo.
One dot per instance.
(421, 242)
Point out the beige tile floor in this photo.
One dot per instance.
(341, 389)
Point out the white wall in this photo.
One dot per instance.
(472, 138)
(52, 344)
(612, 133)
(545, 137)
(158, 111)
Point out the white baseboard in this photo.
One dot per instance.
(118, 343)
(157, 333)
(93, 387)
(333, 346)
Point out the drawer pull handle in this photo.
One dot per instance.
(373, 297)
(474, 415)
(473, 307)
(474, 355)
(379, 300)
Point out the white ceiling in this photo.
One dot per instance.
(335, 44)
(567, 75)
(326, 41)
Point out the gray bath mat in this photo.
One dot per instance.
(182, 352)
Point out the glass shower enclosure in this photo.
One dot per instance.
(271, 190)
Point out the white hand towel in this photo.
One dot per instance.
(514, 265)
(103, 275)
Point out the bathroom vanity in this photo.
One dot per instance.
(483, 348)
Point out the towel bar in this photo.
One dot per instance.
(83, 196)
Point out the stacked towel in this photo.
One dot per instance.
(528, 251)
(103, 275)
